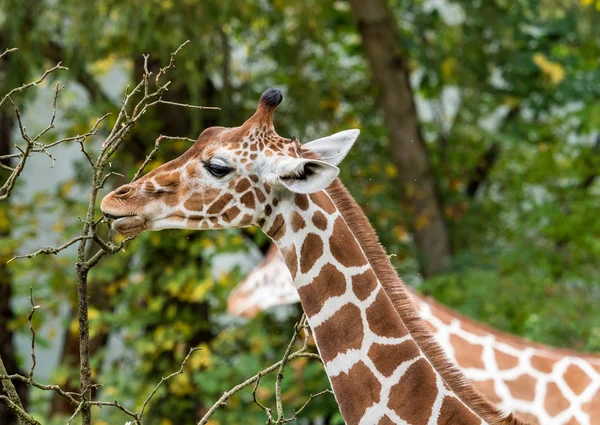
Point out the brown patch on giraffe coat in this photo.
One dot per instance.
(275, 202)
(260, 195)
(322, 200)
(194, 202)
(576, 379)
(192, 170)
(381, 315)
(311, 251)
(248, 200)
(505, 361)
(341, 332)
(319, 220)
(277, 229)
(168, 179)
(409, 389)
(214, 220)
(488, 390)
(329, 283)
(297, 222)
(354, 403)
(454, 412)
(555, 401)
(301, 201)
(385, 421)
(220, 203)
(242, 186)
(231, 214)
(254, 178)
(592, 408)
(522, 388)
(467, 355)
(543, 364)
(363, 284)
(344, 247)
(291, 259)
(267, 188)
(268, 210)
(387, 357)
(246, 219)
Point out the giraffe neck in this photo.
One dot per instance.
(378, 372)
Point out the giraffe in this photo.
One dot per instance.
(383, 365)
(542, 384)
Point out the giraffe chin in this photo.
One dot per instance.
(129, 226)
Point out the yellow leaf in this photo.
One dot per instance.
(93, 313)
(421, 222)
(201, 358)
(401, 233)
(390, 170)
(512, 101)
(553, 70)
(585, 3)
(104, 65)
(181, 385)
(448, 67)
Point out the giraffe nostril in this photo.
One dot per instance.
(124, 190)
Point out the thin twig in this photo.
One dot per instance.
(156, 147)
(166, 378)
(187, 105)
(33, 83)
(51, 250)
(32, 330)
(13, 49)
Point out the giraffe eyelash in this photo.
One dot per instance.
(301, 173)
(217, 170)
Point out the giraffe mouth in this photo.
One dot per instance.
(129, 225)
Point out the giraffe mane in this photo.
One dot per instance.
(400, 297)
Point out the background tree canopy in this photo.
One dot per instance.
(506, 93)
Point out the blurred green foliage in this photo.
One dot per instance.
(526, 243)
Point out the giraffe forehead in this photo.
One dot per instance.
(258, 140)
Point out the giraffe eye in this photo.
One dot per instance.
(217, 170)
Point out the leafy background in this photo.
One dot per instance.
(518, 79)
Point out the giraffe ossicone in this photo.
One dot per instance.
(543, 384)
(383, 365)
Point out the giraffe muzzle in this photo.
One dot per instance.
(131, 225)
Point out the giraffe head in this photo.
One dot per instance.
(231, 177)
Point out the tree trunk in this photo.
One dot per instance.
(422, 203)
(7, 347)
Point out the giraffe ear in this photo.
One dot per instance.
(302, 175)
(333, 149)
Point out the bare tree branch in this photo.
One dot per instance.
(13, 49)
(156, 147)
(32, 330)
(10, 390)
(33, 83)
(287, 357)
(23, 416)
